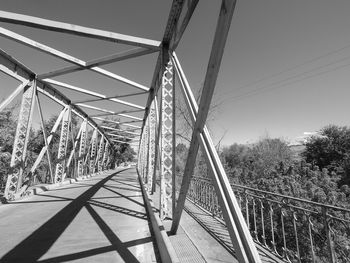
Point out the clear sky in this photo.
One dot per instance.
(285, 68)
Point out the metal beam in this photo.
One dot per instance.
(93, 151)
(41, 47)
(118, 122)
(179, 30)
(167, 161)
(8, 100)
(82, 148)
(76, 139)
(238, 230)
(111, 97)
(50, 25)
(92, 93)
(120, 141)
(120, 130)
(14, 68)
(17, 70)
(48, 153)
(108, 111)
(105, 156)
(222, 29)
(116, 113)
(49, 138)
(62, 147)
(173, 19)
(152, 142)
(15, 178)
(120, 136)
(98, 62)
(114, 76)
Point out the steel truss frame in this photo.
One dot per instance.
(157, 137)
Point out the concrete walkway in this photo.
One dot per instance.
(101, 219)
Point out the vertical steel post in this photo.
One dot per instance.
(156, 150)
(152, 141)
(15, 178)
(62, 147)
(72, 153)
(82, 148)
(167, 174)
(93, 151)
(238, 230)
(105, 156)
(146, 152)
(99, 154)
(48, 153)
(49, 139)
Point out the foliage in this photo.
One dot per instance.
(7, 134)
(8, 123)
(271, 166)
(331, 149)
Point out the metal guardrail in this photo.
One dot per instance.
(294, 229)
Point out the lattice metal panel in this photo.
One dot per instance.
(151, 149)
(62, 147)
(167, 144)
(82, 148)
(105, 156)
(14, 180)
(146, 152)
(99, 154)
(142, 155)
(93, 151)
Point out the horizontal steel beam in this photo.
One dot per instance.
(92, 93)
(108, 111)
(49, 50)
(119, 130)
(116, 113)
(119, 136)
(98, 62)
(51, 25)
(117, 122)
(111, 97)
(17, 70)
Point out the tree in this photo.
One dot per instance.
(331, 149)
(8, 126)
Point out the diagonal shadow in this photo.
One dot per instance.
(119, 209)
(119, 181)
(124, 196)
(33, 202)
(54, 196)
(210, 224)
(124, 188)
(40, 241)
(114, 197)
(120, 247)
(131, 180)
(94, 251)
(69, 188)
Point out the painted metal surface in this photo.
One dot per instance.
(167, 144)
(18, 159)
(62, 147)
(82, 148)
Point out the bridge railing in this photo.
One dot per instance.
(296, 230)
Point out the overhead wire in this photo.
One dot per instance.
(271, 86)
(290, 69)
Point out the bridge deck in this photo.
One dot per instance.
(101, 219)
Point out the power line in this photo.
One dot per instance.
(268, 88)
(289, 69)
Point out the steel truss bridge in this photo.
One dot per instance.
(247, 234)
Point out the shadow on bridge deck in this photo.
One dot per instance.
(102, 219)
